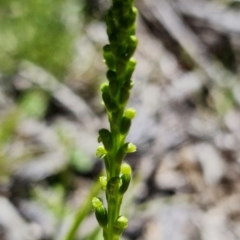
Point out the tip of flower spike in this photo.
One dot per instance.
(97, 202)
(126, 169)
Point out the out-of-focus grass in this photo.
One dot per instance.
(8, 124)
(34, 103)
(52, 198)
(38, 31)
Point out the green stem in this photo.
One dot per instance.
(83, 211)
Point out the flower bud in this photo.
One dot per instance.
(106, 138)
(132, 44)
(125, 125)
(97, 202)
(126, 178)
(126, 148)
(126, 169)
(120, 224)
(108, 56)
(104, 87)
(131, 148)
(101, 216)
(103, 182)
(109, 102)
(130, 113)
(100, 211)
(130, 68)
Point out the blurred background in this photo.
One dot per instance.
(187, 94)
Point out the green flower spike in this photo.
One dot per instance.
(121, 26)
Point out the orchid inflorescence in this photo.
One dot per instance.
(121, 27)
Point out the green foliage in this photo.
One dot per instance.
(34, 103)
(51, 198)
(8, 161)
(117, 54)
(8, 125)
(80, 161)
(35, 30)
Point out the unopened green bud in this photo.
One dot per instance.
(120, 224)
(126, 148)
(134, 12)
(131, 148)
(126, 178)
(104, 87)
(101, 216)
(111, 75)
(130, 113)
(125, 125)
(130, 68)
(106, 138)
(108, 56)
(103, 182)
(109, 102)
(132, 44)
(100, 211)
(126, 169)
(97, 202)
